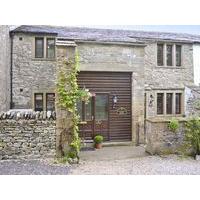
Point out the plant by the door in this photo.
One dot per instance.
(85, 95)
(98, 140)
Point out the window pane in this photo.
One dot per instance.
(178, 103)
(169, 55)
(50, 98)
(169, 103)
(50, 48)
(101, 107)
(80, 110)
(160, 54)
(160, 101)
(39, 47)
(38, 99)
(88, 110)
(178, 55)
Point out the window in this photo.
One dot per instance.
(178, 103)
(160, 102)
(160, 54)
(39, 47)
(50, 102)
(38, 99)
(178, 55)
(169, 55)
(169, 102)
(50, 48)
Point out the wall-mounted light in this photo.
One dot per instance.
(114, 101)
(151, 100)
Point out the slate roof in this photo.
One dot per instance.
(107, 35)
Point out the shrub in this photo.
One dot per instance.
(173, 125)
(192, 134)
(98, 139)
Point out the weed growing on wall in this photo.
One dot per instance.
(173, 125)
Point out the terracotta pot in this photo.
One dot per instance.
(98, 146)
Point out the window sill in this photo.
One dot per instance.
(158, 119)
(171, 67)
(44, 59)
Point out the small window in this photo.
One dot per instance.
(160, 101)
(50, 48)
(169, 55)
(178, 55)
(178, 103)
(50, 102)
(160, 54)
(38, 100)
(39, 47)
(169, 98)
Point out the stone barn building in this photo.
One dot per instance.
(139, 80)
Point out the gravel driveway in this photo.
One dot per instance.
(150, 165)
(32, 167)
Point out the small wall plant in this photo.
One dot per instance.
(173, 125)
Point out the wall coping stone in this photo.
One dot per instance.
(27, 114)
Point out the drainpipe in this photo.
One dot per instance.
(11, 71)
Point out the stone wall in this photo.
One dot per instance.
(4, 68)
(160, 140)
(27, 135)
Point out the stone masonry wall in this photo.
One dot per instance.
(160, 140)
(29, 74)
(28, 135)
(4, 68)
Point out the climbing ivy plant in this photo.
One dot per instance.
(68, 95)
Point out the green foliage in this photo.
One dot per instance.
(173, 125)
(192, 134)
(68, 95)
(98, 139)
(197, 104)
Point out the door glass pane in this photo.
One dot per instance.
(88, 110)
(101, 107)
(79, 109)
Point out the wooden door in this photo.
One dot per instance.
(95, 115)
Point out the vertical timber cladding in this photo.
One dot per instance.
(113, 83)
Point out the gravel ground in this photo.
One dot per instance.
(149, 165)
(32, 167)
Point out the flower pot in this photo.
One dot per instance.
(98, 146)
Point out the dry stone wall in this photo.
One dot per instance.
(27, 135)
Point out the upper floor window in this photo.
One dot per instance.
(44, 47)
(38, 101)
(178, 55)
(169, 55)
(39, 47)
(50, 101)
(50, 48)
(160, 54)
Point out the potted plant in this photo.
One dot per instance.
(98, 139)
(85, 95)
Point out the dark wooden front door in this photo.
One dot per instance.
(96, 117)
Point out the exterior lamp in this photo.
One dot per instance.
(151, 100)
(114, 101)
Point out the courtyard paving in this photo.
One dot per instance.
(124, 160)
